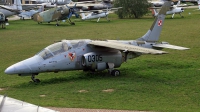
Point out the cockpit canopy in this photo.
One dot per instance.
(60, 47)
(53, 49)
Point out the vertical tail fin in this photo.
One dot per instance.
(179, 2)
(153, 33)
(82, 16)
(41, 8)
(17, 5)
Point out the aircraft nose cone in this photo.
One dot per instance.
(37, 18)
(10, 70)
(17, 68)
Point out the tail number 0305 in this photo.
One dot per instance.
(94, 58)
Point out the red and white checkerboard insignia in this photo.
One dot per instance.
(160, 23)
(72, 56)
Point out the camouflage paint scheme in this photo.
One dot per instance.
(54, 14)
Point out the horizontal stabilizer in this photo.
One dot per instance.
(170, 46)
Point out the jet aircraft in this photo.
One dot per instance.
(173, 10)
(93, 55)
(97, 14)
(56, 14)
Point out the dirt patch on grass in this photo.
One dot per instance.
(42, 95)
(82, 91)
(1, 89)
(108, 90)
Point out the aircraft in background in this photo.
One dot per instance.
(97, 14)
(14, 9)
(84, 6)
(94, 55)
(159, 3)
(198, 1)
(56, 14)
(13, 105)
(2, 20)
(60, 2)
(30, 13)
(173, 10)
(93, 6)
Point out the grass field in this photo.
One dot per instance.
(168, 82)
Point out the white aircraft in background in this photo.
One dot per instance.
(97, 14)
(159, 3)
(174, 10)
(198, 1)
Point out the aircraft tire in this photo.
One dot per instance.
(72, 23)
(37, 80)
(3, 26)
(115, 73)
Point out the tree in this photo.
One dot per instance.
(131, 8)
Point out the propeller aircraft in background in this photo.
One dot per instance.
(56, 14)
(173, 10)
(97, 14)
(8, 10)
(94, 55)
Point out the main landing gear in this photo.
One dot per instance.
(113, 71)
(33, 78)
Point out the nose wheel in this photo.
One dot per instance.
(35, 80)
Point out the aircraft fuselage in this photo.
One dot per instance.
(74, 55)
(93, 15)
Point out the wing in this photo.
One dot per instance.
(8, 8)
(29, 6)
(112, 9)
(126, 47)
